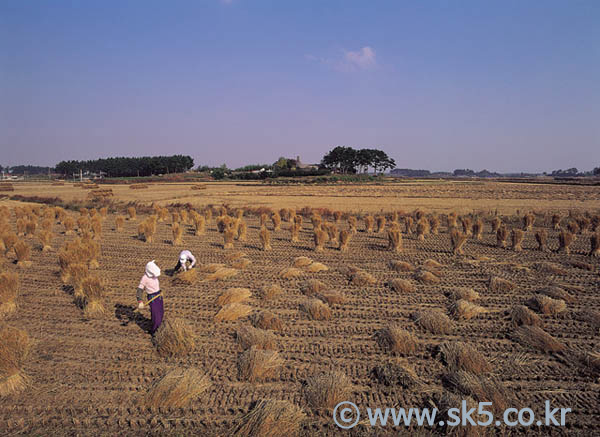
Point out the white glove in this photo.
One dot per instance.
(140, 305)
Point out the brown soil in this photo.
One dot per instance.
(90, 377)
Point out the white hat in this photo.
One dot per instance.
(152, 269)
(182, 259)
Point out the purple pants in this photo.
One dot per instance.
(157, 311)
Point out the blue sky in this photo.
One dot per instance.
(506, 85)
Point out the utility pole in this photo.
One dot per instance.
(80, 175)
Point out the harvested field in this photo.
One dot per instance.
(278, 336)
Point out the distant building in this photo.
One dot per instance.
(301, 166)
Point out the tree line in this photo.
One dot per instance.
(27, 169)
(349, 160)
(128, 167)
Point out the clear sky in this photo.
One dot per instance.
(503, 85)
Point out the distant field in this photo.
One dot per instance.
(441, 196)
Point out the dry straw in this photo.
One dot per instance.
(457, 239)
(500, 285)
(312, 286)
(528, 220)
(186, 278)
(380, 219)
(352, 224)
(267, 320)
(360, 278)
(131, 213)
(316, 267)
(259, 365)
(271, 291)
(69, 225)
(466, 225)
(393, 338)
(558, 293)
(21, 226)
(396, 371)
(536, 338)
(401, 266)
(332, 233)
(326, 390)
(402, 285)
(241, 264)
(546, 305)
(333, 297)
(174, 338)
(295, 232)
(573, 227)
(233, 295)
(228, 237)
(521, 315)
(93, 291)
(433, 266)
(146, 230)
(248, 337)
(177, 389)
(232, 311)
(464, 310)
(422, 228)
(457, 355)
(46, 240)
(9, 240)
(270, 418)
(451, 219)
(301, 261)
(344, 240)
(434, 321)
(482, 389)
(76, 273)
(478, 229)
(426, 277)
(290, 273)
(9, 289)
(177, 230)
(517, 239)
(501, 236)
(30, 227)
(276, 219)
(541, 237)
(199, 224)
(395, 240)
(15, 346)
(265, 238)
(316, 309)
(463, 293)
(556, 222)
(320, 238)
(22, 252)
(595, 244)
(369, 222)
(119, 222)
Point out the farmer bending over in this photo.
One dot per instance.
(185, 257)
(149, 284)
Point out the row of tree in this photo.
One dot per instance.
(127, 167)
(26, 169)
(349, 160)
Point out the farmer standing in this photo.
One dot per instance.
(149, 284)
(185, 257)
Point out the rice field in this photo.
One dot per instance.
(296, 306)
